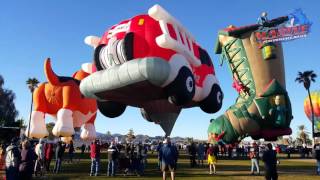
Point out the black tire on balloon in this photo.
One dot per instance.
(111, 109)
(213, 102)
(96, 57)
(182, 89)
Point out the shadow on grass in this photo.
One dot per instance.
(226, 169)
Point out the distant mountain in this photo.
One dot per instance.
(122, 138)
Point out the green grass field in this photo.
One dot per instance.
(302, 169)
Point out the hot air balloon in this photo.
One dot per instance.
(315, 98)
(151, 62)
(61, 98)
(263, 108)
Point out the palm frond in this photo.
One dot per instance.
(307, 73)
(32, 83)
(313, 75)
(299, 80)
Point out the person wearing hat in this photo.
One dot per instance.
(168, 155)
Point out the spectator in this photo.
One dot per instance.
(71, 151)
(243, 151)
(158, 150)
(278, 150)
(2, 159)
(201, 153)
(253, 155)
(247, 150)
(212, 159)
(168, 156)
(216, 150)
(223, 149)
(39, 165)
(317, 156)
(261, 149)
(137, 159)
(192, 154)
(48, 155)
(152, 148)
(124, 161)
(301, 150)
(112, 157)
(59, 154)
(13, 158)
(132, 157)
(144, 154)
(83, 148)
(95, 157)
(88, 148)
(306, 151)
(238, 150)
(230, 148)
(143, 158)
(288, 150)
(27, 158)
(270, 162)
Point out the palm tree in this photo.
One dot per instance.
(108, 133)
(130, 136)
(32, 85)
(20, 122)
(306, 78)
(302, 134)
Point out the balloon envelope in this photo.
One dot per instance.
(315, 98)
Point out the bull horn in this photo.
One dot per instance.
(92, 41)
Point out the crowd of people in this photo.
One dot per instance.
(128, 158)
(22, 160)
(212, 152)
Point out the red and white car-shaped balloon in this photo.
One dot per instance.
(152, 62)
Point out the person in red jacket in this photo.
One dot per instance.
(48, 155)
(95, 157)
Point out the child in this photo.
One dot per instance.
(212, 160)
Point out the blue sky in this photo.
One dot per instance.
(30, 31)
